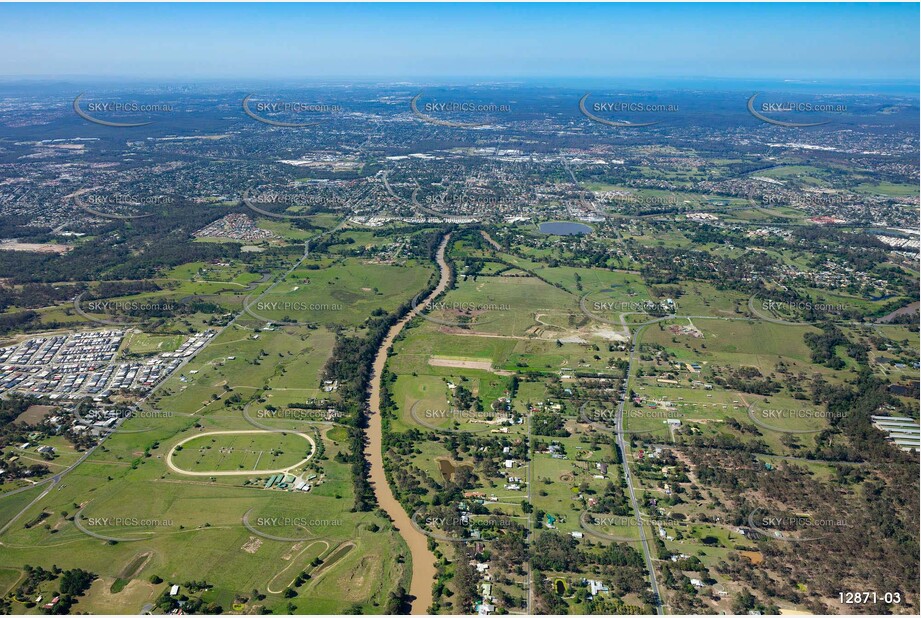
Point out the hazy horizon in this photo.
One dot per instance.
(460, 42)
(151, 85)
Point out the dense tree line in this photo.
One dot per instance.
(877, 500)
(139, 250)
(823, 346)
(747, 380)
(352, 363)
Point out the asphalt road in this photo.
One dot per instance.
(621, 443)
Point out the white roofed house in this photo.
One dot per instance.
(596, 586)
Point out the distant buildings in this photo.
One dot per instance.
(901, 431)
(236, 226)
(82, 365)
(900, 243)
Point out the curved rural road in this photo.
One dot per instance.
(172, 466)
(51, 481)
(247, 306)
(423, 560)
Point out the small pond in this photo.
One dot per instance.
(564, 228)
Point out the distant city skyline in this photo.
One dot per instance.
(455, 42)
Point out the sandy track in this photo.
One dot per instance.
(291, 563)
(172, 466)
(461, 364)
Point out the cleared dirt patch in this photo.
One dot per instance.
(252, 545)
(31, 247)
(756, 557)
(907, 310)
(356, 581)
(34, 415)
(456, 363)
(101, 600)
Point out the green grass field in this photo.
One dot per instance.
(342, 292)
(241, 452)
(193, 528)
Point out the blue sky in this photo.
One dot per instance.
(508, 41)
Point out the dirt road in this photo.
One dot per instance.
(178, 470)
(461, 364)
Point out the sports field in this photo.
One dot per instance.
(240, 452)
(191, 528)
